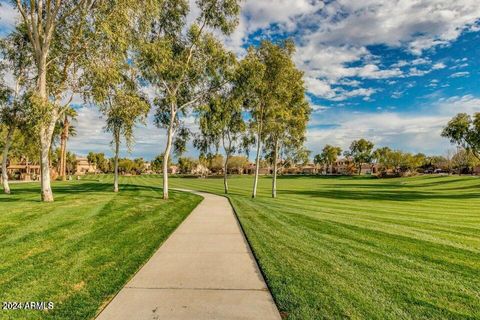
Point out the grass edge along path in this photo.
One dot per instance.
(80, 250)
(358, 248)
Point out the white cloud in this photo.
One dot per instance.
(320, 88)
(8, 16)
(414, 132)
(91, 136)
(324, 89)
(438, 66)
(334, 35)
(456, 104)
(460, 74)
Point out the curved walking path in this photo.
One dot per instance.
(204, 270)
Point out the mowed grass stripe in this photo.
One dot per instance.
(362, 248)
(81, 249)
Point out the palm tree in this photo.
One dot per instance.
(65, 130)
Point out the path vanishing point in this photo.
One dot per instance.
(204, 270)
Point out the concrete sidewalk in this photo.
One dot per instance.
(205, 270)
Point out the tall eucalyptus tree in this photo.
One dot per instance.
(111, 75)
(221, 123)
(51, 25)
(288, 113)
(274, 94)
(183, 60)
(13, 111)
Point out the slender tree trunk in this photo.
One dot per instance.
(274, 181)
(166, 156)
(46, 132)
(257, 161)
(63, 149)
(8, 142)
(45, 144)
(225, 172)
(257, 167)
(115, 174)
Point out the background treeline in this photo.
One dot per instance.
(159, 61)
(390, 162)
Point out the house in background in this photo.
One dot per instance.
(84, 167)
(147, 167)
(23, 171)
(476, 170)
(173, 169)
(309, 169)
(250, 169)
(200, 170)
(345, 166)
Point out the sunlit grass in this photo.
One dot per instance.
(80, 250)
(330, 248)
(364, 248)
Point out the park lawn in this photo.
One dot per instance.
(363, 248)
(80, 250)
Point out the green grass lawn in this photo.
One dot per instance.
(330, 248)
(80, 250)
(363, 248)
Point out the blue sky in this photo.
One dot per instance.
(390, 71)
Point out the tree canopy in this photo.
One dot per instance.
(464, 130)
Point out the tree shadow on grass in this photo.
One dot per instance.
(337, 177)
(65, 189)
(380, 195)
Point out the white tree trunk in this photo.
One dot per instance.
(274, 180)
(115, 171)
(63, 149)
(257, 167)
(225, 173)
(166, 157)
(45, 143)
(8, 142)
(259, 145)
(46, 132)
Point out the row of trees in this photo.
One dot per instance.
(360, 152)
(115, 164)
(397, 162)
(112, 52)
(211, 163)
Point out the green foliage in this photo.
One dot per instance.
(464, 131)
(185, 64)
(59, 133)
(287, 111)
(71, 160)
(100, 161)
(157, 163)
(221, 123)
(361, 152)
(463, 161)
(111, 77)
(328, 156)
(55, 39)
(237, 163)
(398, 161)
(219, 14)
(186, 164)
(15, 109)
(273, 92)
(214, 162)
